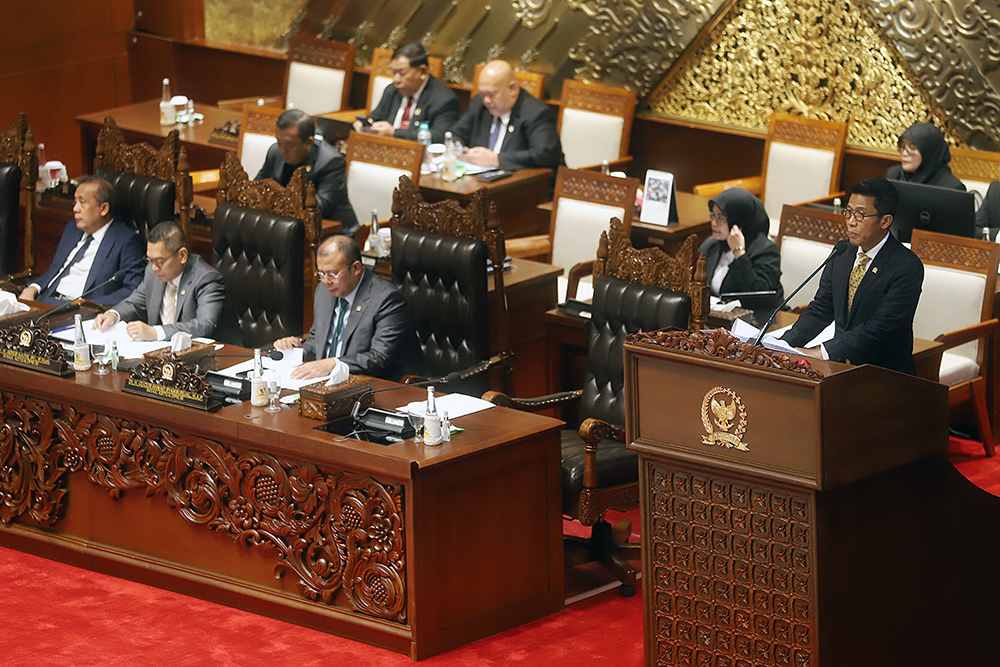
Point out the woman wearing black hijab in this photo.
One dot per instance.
(924, 158)
(739, 256)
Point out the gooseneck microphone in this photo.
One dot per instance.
(117, 278)
(450, 377)
(837, 249)
(274, 355)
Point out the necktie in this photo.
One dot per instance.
(336, 327)
(51, 288)
(404, 122)
(170, 304)
(856, 275)
(494, 134)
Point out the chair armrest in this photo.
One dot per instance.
(576, 272)
(497, 361)
(968, 334)
(827, 199)
(752, 184)
(236, 104)
(593, 431)
(527, 247)
(613, 165)
(205, 180)
(533, 404)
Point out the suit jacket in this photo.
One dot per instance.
(532, 140)
(202, 306)
(759, 268)
(437, 106)
(878, 329)
(121, 248)
(988, 215)
(378, 336)
(328, 172)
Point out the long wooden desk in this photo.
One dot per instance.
(141, 122)
(412, 548)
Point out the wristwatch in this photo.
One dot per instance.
(738, 248)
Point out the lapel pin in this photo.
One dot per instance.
(417, 112)
(874, 269)
(357, 308)
(510, 128)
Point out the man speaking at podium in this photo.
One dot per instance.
(870, 289)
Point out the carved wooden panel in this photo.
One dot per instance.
(733, 571)
(970, 164)
(448, 216)
(236, 188)
(801, 223)
(12, 141)
(589, 186)
(961, 256)
(261, 123)
(396, 153)
(321, 52)
(598, 101)
(140, 158)
(805, 132)
(334, 530)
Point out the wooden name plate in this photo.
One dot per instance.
(318, 401)
(31, 346)
(172, 381)
(199, 354)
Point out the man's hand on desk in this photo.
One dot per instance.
(105, 320)
(29, 293)
(382, 128)
(481, 156)
(140, 331)
(813, 352)
(313, 369)
(287, 343)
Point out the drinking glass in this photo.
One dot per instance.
(101, 354)
(417, 419)
(272, 387)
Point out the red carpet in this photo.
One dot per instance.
(56, 614)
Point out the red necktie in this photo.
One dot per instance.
(404, 122)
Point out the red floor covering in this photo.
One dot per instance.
(56, 614)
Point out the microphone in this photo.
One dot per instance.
(450, 377)
(117, 278)
(837, 249)
(274, 355)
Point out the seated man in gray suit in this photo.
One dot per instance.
(359, 319)
(297, 147)
(179, 292)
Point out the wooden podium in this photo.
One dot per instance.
(803, 514)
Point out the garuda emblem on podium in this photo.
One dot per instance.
(724, 418)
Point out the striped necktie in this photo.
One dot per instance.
(170, 304)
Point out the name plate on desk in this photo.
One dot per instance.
(171, 381)
(199, 354)
(32, 347)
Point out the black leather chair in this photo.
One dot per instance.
(18, 172)
(598, 472)
(140, 201)
(10, 188)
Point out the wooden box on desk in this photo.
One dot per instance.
(199, 354)
(326, 403)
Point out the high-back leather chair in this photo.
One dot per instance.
(380, 77)
(802, 160)
(595, 123)
(634, 290)
(264, 244)
(18, 172)
(440, 256)
(149, 183)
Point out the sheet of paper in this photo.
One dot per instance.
(284, 368)
(745, 332)
(470, 168)
(457, 405)
(127, 348)
(715, 303)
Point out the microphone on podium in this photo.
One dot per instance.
(837, 249)
(117, 278)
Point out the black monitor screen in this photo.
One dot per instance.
(934, 209)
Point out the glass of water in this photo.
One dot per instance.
(417, 419)
(272, 387)
(101, 354)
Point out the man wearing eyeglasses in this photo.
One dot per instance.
(870, 290)
(358, 319)
(179, 292)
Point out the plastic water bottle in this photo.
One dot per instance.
(837, 208)
(81, 351)
(448, 171)
(424, 137)
(167, 111)
(432, 420)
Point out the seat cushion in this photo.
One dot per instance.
(615, 465)
(956, 368)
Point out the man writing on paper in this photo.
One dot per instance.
(359, 319)
(179, 292)
(94, 246)
(870, 290)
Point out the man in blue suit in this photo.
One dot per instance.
(94, 246)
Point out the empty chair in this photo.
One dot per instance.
(595, 123)
(806, 238)
(374, 165)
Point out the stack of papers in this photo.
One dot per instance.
(284, 368)
(746, 332)
(457, 405)
(127, 348)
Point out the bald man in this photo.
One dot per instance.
(506, 127)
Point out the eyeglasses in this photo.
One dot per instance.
(158, 262)
(909, 149)
(717, 217)
(859, 215)
(331, 275)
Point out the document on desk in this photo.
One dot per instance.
(457, 405)
(292, 358)
(472, 169)
(772, 341)
(127, 348)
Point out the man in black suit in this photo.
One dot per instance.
(506, 127)
(414, 97)
(870, 289)
(297, 147)
(359, 319)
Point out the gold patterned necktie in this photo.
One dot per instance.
(856, 275)
(170, 304)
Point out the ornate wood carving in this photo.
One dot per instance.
(365, 149)
(733, 569)
(334, 530)
(17, 146)
(448, 217)
(801, 223)
(613, 191)
(955, 254)
(720, 344)
(321, 52)
(806, 133)
(260, 123)
(600, 102)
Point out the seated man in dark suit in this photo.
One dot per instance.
(359, 319)
(94, 246)
(180, 292)
(297, 147)
(870, 289)
(414, 97)
(506, 127)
